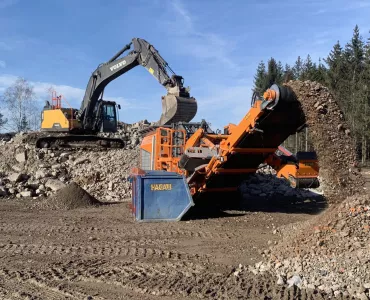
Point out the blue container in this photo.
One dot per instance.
(159, 196)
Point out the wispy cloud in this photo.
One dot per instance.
(5, 46)
(208, 47)
(2, 64)
(179, 8)
(357, 5)
(320, 11)
(341, 6)
(7, 3)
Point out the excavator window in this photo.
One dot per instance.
(109, 113)
(109, 118)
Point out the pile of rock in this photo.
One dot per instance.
(332, 140)
(6, 137)
(69, 197)
(130, 133)
(104, 176)
(330, 252)
(268, 187)
(29, 172)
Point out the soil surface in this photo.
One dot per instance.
(102, 253)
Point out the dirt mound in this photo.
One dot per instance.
(330, 252)
(332, 140)
(70, 197)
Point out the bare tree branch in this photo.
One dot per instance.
(20, 101)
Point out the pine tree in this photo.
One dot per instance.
(335, 66)
(321, 73)
(356, 50)
(288, 73)
(298, 68)
(2, 120)
(272, 73)
(24, 125)
(260, 78)
(354, 63)
(309, 70)
(280, 73)
(366, 101)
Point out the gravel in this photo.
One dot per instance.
(71, 196)
(332, 140)
(331, 251)
(29, 172)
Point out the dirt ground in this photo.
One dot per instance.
(102, 253)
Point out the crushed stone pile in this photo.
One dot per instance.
(29, 172)
(332, 140)
(331, 251)
(71, 196)
(264, 185)
(104, 175)
(129, 133)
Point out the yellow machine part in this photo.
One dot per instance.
(56, 120)
(304, 176)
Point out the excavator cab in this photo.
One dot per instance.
(108, 116)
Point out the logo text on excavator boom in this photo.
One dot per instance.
(116, 66)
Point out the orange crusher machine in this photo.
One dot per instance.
(183, 162)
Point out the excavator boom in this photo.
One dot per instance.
(177, 105)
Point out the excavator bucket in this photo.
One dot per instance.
(177, 109)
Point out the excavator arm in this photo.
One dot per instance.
(177, 105)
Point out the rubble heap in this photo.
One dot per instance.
(129, 133)
(29, 172)
(264, 185)
(332, 140)
(69, 197)
(330, 252)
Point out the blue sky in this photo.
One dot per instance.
(215, 45)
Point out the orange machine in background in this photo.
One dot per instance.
(215, 162)
(300, 170)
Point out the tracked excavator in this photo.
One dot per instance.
(72, 127)
(182, 163)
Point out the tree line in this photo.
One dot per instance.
(345, 71)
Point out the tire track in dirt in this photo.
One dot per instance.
(26, 285)
(101, 271)
(46, 284)
(93, 271)
(188, 280)
(95, 250)
(6, 227)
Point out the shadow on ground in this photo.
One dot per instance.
(283, 199)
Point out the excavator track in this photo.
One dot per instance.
(79, 141)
